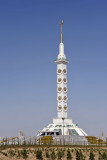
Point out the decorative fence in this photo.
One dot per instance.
(55, 140)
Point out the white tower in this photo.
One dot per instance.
(61, 80)
(62, 123)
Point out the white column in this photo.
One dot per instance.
(61, 83)
(62, 90)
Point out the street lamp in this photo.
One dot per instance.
(63, 129)
(39, 137)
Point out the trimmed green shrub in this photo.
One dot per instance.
(24, 154)
(39, 155)
(91, 157)
(59, 154)
(79, 155)
(47, 154)
(69, 156)
(53, 156)
(11, 153)
(63, 152)
(82, 157)
(102, 156)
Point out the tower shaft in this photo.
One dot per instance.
(61, 80)
(62, 90)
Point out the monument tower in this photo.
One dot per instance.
(62, 124)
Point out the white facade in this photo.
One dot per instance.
(61, 83)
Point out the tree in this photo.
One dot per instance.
(53, 156)
(39, 155)
(103, 156)
(69, 156)
(100, 156)
(59, 154)
(24, 154)
(11, 153)
(79, 155)
(91, 157)
(47, 154)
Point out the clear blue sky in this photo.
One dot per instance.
(29, 42)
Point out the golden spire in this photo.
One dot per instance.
(61, 23)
